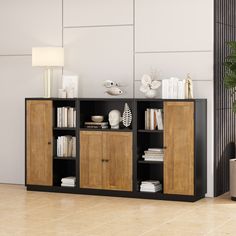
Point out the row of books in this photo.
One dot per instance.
(153, 119)
(68, 181)
(66, 117)
(174, 88)
(66, 146)
(154, 154)
(151, 186)
(96, 125)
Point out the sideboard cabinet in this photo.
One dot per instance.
(110, 161)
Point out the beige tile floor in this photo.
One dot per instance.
(55, 214)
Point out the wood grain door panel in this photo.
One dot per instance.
(117, 164)
(39, 142)
(179, 152)
(91, 159)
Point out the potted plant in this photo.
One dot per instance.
(230, 75)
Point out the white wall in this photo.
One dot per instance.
(106, 39)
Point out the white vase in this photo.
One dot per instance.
(151, 93)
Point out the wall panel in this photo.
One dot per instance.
(93, 12)
(167, 25)
(28, 23)
(166, 65)
(98, 54)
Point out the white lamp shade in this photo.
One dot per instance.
(48, 56)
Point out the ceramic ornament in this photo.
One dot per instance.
(127, 116)
(114, 91)
(109, 84)
(149, 86)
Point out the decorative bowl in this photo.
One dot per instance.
(97, 118)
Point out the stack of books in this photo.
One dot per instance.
(154, 154)
(173, 88)
(153, 119)
(66, 146)
(96, 125)
(66, 117)
(151, 186)
(68, 181)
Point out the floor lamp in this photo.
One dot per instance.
(49, 58)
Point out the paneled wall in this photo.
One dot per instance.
(225, 31)
(106, 39)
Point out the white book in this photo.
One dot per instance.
(73, 146)
(70, 117)
(74, 118)
(150, 182)
(159, 119)
(165, 85)
(69, 154)
(58, 146)
(58, 117)
(69, 178)
(155, 149)
(66, 117)
(61, 147)
(175, 88)
(67, 185)
(62, 116)
(152, 159)
(170, 88)
(146, 119)
(180, 89)
(65, 146)
(152, 119)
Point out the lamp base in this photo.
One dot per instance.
(47, 83)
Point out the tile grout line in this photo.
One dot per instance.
(96, 26)
(62, 22)
(197, 80)
(212, 230)
(134, 59)
(168, 221)
(15, 55)
(180, 51)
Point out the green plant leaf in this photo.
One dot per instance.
(232, 45)
(230, 81)
(231, 66)
(234, 106)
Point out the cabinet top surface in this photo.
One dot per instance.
(116, 99)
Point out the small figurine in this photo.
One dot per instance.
(188, 87)
(114, 118)
(127, 116)
(112, 88)
(114, 91)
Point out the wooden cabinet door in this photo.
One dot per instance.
(117, 164)
(91, 159)
(39, 142)
(179, 152)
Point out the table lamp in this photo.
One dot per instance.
(48, 57)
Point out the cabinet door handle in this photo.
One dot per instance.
(105, 160)
(165, 147)
(49, 143)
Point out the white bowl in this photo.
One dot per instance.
(97, 118)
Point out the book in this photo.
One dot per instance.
(66, 146)
(152, 119)
(96, 123)
(159, 119)
(95, 127)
